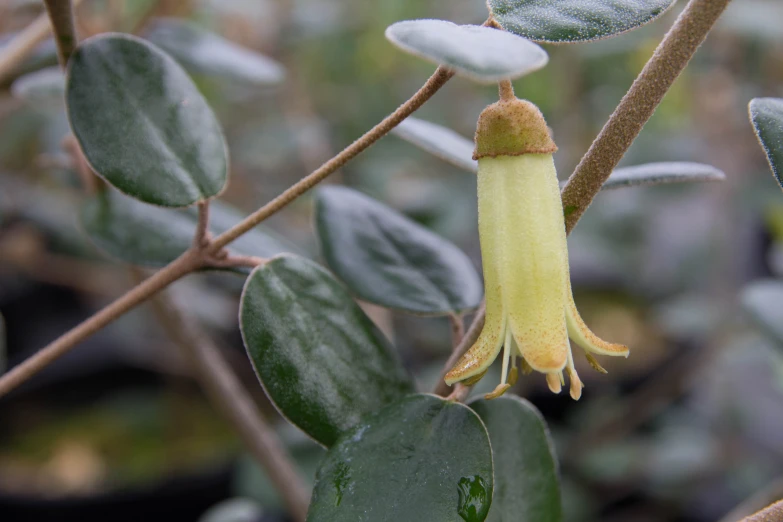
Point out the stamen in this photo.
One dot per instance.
(506, 355)
(576, 384)
(526, 368)
(594, 363)
(500, 390)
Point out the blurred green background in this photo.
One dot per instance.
(682, 431)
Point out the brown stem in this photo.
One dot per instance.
(506, 90)
(201, 236)
(185, 264)
(433, 84)
(457, 328)
(234, 261)
(647, 91)
(25, 43)
(61, 16)
(233, 400)
(773, 513)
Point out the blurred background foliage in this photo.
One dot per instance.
(682, 431)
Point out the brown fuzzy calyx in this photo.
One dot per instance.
(512, 128)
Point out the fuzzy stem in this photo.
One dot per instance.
(201, 236)
(434, 83)
(233, 400)
(61, 16)
(638, 105)
(25, 43)
(506, 90)
(185, 264)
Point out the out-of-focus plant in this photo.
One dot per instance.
(153, 161)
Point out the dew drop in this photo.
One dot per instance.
(474, 498)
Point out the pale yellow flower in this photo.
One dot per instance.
(530, 310)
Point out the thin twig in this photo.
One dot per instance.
(183, 265)
(226, 391)
(433, 84)
(638, 105)
(61, 16)
(201, 236)
(770, 494)
(457, 328)
(506, 90)
(25, 43)
(236, 261)
(772, 513)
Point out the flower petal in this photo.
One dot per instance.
(534, 256)
(584, 337)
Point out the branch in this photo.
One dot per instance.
(25, 43)
(433, 84)
(183, 265)
(772, 513)
(636, 107)
(226, 391)
(201, 236)
(771, 493)
(61, 16)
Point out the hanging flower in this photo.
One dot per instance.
(530, 310)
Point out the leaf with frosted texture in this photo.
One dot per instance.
(387, 259)
(321, 360)
(562, 21)
(422, 458)
(764, 301)
(481, 53)
(204, 52)
(43, 87)
(526, 480)
(766, 114)
(439, 141)
(142, 123)
(662, 173)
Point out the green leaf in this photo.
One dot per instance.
(321, 360)
(148, 235)
(764, 302)
(43, 87)
(574, 20)
(481, 53)
(387, 259)
(766, 114)
(206, 53)
(439, 141)
(142, 123)
(526, 479)
(661, 173)
(422, 458)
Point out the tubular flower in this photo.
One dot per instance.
(530, 310)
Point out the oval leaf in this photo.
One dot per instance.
(528, 487)
(481, 53)
(574, 20)
(766, 114)
(46, 86)
(661, 173)
(321, 360)
(764, 301)
(439, 141)
(203, 52)
(142, 124)
(387, 259)
(422, 458)
(148, 235)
